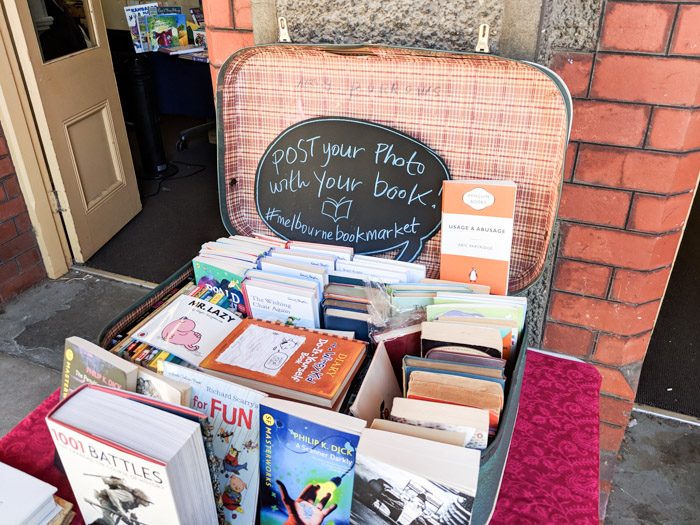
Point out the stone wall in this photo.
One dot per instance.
(20, 261)
(440, 24)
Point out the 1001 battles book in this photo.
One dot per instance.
(112, 483)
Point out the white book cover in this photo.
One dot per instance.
(105, 477)
(369, 273)
(188, 328)
(132, 13)
(314, 260)
(160, 387)
(231, 438)
(22, 496)
(290, 305)
(417, 270)
(269, 264)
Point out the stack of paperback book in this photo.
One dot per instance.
(262, 345)
(156, 27)
(26, 500)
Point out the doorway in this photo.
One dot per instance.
(119, 213)
(671, 368)
(180, 204)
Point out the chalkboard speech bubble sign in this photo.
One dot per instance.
(342, 181)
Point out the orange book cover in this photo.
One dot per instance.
(477, 232)
(287, 357)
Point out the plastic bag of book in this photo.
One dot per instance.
(349, 147)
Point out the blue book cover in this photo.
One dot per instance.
(306, 470)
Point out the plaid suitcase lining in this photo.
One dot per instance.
(487, 117)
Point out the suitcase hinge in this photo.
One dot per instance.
(283, 33)
(482, 44)
(56, 202)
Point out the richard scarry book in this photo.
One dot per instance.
(231, 437)
(188, 328)
(307, 460)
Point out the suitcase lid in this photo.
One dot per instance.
(466, 116)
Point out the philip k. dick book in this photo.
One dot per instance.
(231, 437)
(306, 468)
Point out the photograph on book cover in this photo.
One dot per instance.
(386, 494)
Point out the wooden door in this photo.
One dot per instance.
(68, 72)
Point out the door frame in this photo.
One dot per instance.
(33, 172)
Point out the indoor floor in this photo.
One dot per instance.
(178, 215)
(655, 482)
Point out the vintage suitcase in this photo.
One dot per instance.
(467, 116)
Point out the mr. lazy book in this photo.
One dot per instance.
(188, 328)
(307, 459)
(232, 431)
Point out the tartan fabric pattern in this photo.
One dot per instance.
(487, 117)
(135, 314)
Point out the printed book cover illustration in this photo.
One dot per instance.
(133, 13)
(387, 494)
(293, 358)
(231, 436)
(306, 474)
(220, 281)
(112, 485)
(84, 362)
(166, 31)
(188, 328)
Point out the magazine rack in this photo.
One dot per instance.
(483, 117)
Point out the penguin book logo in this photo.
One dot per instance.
(478, 199)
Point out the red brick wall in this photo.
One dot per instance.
(20, 261)
(229, 25)
(629, 186)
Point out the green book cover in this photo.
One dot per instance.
(219, 280)
(434, 311)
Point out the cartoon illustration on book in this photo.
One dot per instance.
(233, 495)
(472, 275)
(225, 436)
(164, 38)
(250, 445)
(181, 332)
(118, 502)
(231, 462)
(261, 350)
(336, 209)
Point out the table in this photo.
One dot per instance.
(552, 470)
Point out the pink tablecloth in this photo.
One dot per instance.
(552, 470)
